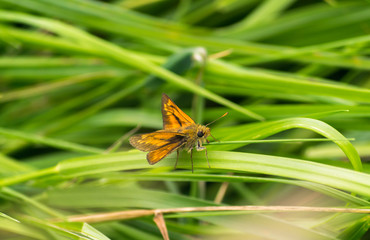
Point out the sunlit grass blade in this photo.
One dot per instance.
(209, 177)
(49, 141)
(267, 80)
(331, 176)
(8, 217)
(69, 230)
(21, 229)
(53, 86)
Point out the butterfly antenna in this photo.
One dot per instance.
(217, 119)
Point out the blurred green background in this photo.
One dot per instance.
(77, 76)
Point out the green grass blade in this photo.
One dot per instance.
(304, 170)
(184, 177)
(288, 84)
(123, 56)
(260, 130)
(48, 141)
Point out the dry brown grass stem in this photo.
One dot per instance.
(120, 215)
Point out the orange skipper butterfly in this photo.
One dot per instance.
(179, 132)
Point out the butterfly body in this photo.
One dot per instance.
(179, 132)
(195, 135)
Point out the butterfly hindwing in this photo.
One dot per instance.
(173, 116)
(158, 154)
(153, 141)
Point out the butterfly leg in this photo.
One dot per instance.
(214, 138)
(200, 148)
(191, 157)
(209, 166)
(177, 158)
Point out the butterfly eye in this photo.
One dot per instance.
(200, 134)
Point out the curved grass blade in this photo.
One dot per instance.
(339, 178)
(265, 129)
(336, 177)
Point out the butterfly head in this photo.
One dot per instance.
(203, 132)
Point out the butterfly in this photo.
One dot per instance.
(179, 132)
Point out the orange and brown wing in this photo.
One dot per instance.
(159, 144)
(157, 155)
(173, 116)
(153, 141)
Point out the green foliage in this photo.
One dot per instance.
(77, 75)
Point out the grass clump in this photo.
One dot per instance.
(77, 75)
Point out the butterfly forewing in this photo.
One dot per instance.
(173, 116)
